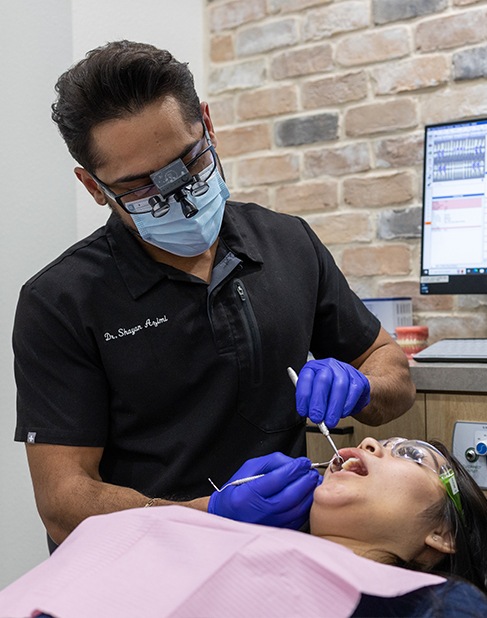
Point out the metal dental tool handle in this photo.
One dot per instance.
(321, 426)
(247, 479)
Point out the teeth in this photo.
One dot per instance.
(350, 463)
(336, 464)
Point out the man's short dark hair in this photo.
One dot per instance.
(115, 81)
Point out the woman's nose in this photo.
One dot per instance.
(372, 446)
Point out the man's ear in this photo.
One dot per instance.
(205, 112)
(92, 187)
(442, 541)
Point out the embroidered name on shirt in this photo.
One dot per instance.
(132, 330)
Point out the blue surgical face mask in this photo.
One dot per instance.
(187, 237)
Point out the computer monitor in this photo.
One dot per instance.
(454, 219)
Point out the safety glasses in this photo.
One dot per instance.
(427, 455)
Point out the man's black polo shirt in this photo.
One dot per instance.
(178, 380)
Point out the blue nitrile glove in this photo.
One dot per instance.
(328, 390)
(281, 498)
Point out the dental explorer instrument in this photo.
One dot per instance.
(247, 479)
(321, 426)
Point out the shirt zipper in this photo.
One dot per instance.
(252, 333)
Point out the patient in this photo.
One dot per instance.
(407, 503)
(395, 503)
(401, 502)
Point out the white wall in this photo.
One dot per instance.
(176, 25)
(43, 209)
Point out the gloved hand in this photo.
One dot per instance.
(281, 498)
(328, 390)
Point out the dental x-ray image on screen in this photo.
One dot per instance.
(454, 220)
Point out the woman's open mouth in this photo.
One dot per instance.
(350, 463)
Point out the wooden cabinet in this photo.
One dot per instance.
(443, 410)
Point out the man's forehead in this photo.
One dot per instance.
(138, 144)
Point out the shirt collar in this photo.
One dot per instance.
(237, 233)
(140, 272)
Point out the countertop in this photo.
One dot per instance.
(449, 377)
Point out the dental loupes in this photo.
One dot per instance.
(338, 460)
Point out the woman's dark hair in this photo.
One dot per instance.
(470, 558)
(469, 561)
(115, 81)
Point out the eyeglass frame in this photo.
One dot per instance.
(444, 472)
(176, 187)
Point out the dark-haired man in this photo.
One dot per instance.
(152, 354)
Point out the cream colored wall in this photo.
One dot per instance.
(43, 212)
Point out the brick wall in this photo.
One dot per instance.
(319, 108)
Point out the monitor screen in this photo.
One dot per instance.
(454, 223)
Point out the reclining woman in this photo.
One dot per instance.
(407, 503)
(402, 502)
(398, 502)
(431, 514)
